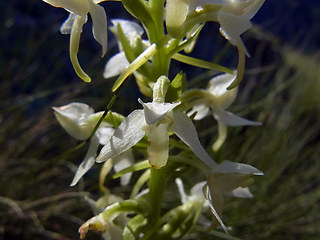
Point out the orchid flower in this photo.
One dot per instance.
(119, 62)
(233, 16)
(218, 98)
(228, 178)
(156, 120)
(112, 231)
(73, 25)
(79, 120)
(104, 224)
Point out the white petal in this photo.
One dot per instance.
(233, 25)
(233, 167)
(176, 14)
(123, 161)
(104, 134)
(232, 120)
(99, 25)
(253, 8)
(127, 135)
(183, 194)
(240, 192)
(116, 65)
(68, 23)
(130, 29)
(218, 84)
(197, 191)
(74, 118)
(185, 130)
(201, 111)
(155, 111)
(79, 7)
(88, 161)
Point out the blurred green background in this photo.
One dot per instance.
(281, 88)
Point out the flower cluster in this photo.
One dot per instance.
(159, 139)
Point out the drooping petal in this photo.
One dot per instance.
(183, 195)
(158, 146)
(185, 130)
(99, 25)
(74, 46)
(155, 111)
(88, 161)
(116, 65)
(232, 120)
(127, 135)
(222, 135)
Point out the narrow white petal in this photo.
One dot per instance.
(99, 25)
(155, 111)
(116, 65)
(88, 161)
(185, 130)
(222, 135)
(233, 167)
(74, 46)
(127, 135)
(232, 120)
(183, 194)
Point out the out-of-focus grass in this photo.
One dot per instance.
(286, 148)
(35, 199)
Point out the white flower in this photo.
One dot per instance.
(73, 25)
(79, 120)
(156, 120)
(196, 193)
(218, 98)
(233, 16)
(228, 178)
(104, 224)
(119, 62)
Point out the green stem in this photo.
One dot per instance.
(156, 33)
(156, 184)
